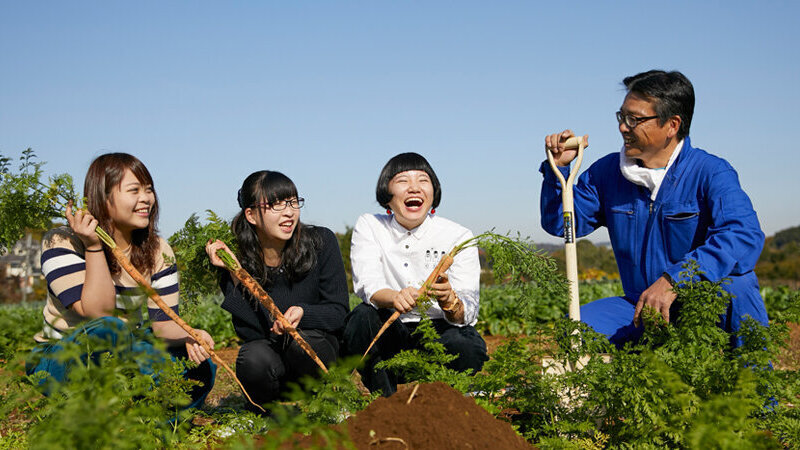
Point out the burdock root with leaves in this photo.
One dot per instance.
(261, 295)
(512, 260)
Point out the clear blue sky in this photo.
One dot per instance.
(207, 92)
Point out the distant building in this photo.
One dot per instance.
(23, 260)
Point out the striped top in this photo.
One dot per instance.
(64, 268)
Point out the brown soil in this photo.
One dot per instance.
(789, 356)
(438, 417)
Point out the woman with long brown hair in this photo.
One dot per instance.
(88, 292)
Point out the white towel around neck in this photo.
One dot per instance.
(649, 178)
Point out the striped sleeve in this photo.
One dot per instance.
(165, 283)
(65, 271)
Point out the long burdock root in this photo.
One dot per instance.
(441, 267)
(252, 285)
(137, 276)
(255, 288)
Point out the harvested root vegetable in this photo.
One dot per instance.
(126, 265)
(512, 260)
(261, 295)
(441, 267)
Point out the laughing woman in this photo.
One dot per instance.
(392, 254)
(88, 292)
(301, 268)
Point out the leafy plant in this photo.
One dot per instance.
(314, 404)
(129, 408)
(198, 277)
(18, 324)
(26, 203)
(428, 364)
(681, 386)
(206, 313)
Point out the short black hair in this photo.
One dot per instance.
(672, 93)
(401, 163)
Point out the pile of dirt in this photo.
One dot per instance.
(438, 417)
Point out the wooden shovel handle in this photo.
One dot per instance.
(568, 209)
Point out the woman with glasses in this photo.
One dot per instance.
(301, 268)
(392, 254)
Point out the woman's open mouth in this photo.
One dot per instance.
(413, 203)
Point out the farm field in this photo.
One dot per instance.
(680, 407)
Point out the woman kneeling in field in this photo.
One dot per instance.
(392, 255)
(300, 267)
(88, 292)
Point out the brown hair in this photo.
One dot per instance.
(104, 174)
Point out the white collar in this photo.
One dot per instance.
(418, 232)
(643, 176)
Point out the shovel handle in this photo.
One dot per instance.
(568, 208)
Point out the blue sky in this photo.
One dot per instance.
(207, 92)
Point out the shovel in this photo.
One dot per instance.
(569, 222)
(550, 365)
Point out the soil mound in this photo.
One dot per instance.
(438, 417)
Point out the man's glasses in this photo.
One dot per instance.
(630, 120)
(295, 203)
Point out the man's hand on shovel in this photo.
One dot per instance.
(564, 146)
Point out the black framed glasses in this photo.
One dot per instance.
(630, 120)
(295, 203)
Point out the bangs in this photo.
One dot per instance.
(402, 163)
(405, 162)
(266, 186)
(141, 173)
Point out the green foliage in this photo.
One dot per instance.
(500, 312)
(516, 261)
(107, 402)
(783, 303)
(354, 301)
(26, 201)
(590, 257)
(786, 237)
(18, 324)
(198, 276)
(429, 364)
(681, 386)
(316, 403)
(780, 259)
(344, 248)
(205, 313)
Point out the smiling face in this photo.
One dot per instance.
(412, 197)
(130, 204)
(650, 141)
(274, 227)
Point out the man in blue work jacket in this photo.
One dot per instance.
(664, 203)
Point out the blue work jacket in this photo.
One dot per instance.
(700, 213)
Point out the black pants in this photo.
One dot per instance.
(264, 366)
(363, 323)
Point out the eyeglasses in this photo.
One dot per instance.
(630, 120)
(295, 203)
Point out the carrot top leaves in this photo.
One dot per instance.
(517, 261)
(198, 277)
(27, 200)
